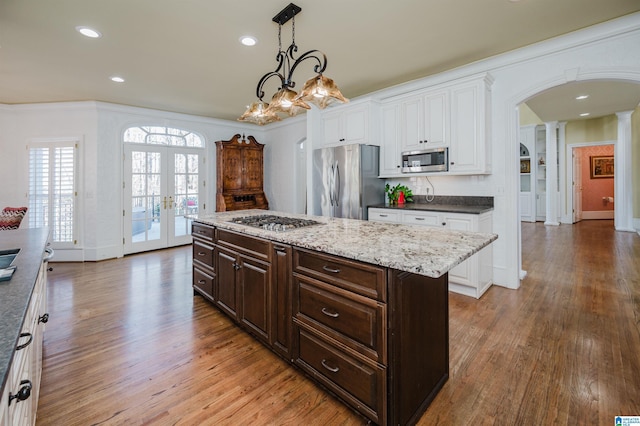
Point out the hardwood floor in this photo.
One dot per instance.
(128, 343)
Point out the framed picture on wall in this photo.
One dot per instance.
(601, 166)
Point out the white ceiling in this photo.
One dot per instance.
(184, 55)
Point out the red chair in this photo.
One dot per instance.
(10, 217)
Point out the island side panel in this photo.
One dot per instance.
(418, 343)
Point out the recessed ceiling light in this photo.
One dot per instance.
(581, 97)
(248, 40)
(117, 79)
(585, 114)
(88, 32)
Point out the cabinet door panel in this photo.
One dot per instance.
(252, 169)
(233, 169)
(226, 270)
(412, 124)
(255, 295)
(281, 302)
(435, 120)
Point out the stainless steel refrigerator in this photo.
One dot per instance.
(345, 181)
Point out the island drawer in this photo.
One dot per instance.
(203, 283)
(361, 278)
(354, 320)
(203, 253)
(202, 231)
(253, 246)
(361, 384)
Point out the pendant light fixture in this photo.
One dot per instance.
(318, 90)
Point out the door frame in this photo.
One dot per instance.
(567, 216)
(167, 238)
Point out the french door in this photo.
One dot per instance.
(162, 186)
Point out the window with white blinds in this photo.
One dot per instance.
(52, 190)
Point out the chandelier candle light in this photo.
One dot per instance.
(318, 90)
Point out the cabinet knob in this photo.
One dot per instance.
(444, 223)
(452, 163)
(23, 393)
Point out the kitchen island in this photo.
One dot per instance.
(361, 307)
(22, 317)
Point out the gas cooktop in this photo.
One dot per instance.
(274, 223)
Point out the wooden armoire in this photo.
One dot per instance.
(240, 174)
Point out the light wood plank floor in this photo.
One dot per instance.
(129, 344)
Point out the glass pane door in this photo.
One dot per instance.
(161, 188)
(145, 191)
(184, 198)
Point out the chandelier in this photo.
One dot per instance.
(318, 90)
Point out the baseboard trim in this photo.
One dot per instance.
(602, 214)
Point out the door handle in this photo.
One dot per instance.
(164, 203)
(170, 202)
(332, 183)
(337, 187)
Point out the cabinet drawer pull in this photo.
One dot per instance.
(334, 271)
(24, 345)
(202, 282)
(332, 369)
(419, 218)
(329, 313)
(384, 215)
(201, 253)
(23, 393)
(44, 318)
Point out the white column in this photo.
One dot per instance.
(622, 195)
(552, 174)
(564, 210)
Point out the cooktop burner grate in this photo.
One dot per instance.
(273, 222)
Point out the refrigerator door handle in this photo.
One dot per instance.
(337, 185)
(331, 184)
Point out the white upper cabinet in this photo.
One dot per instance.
(346, 124)
(424, 121)
(469, 150)
(390, 144)
(455, 115)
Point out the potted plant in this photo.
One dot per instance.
(393, 193)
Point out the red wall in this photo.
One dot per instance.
(594, 189)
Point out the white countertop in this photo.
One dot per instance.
(411, 248)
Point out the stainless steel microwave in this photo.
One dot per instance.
(427, 160)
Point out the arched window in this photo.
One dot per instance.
(161, 135)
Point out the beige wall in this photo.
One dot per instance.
(595, 130)
(527, 116)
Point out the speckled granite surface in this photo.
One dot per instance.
(15, 294)
(421, 250)
(444, 203)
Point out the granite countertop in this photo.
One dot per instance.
(412, 248)
(450, 204)
(15, 294)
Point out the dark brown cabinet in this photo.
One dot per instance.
(250, 280)
(204, 274)
(375, 337)
(240, 175)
